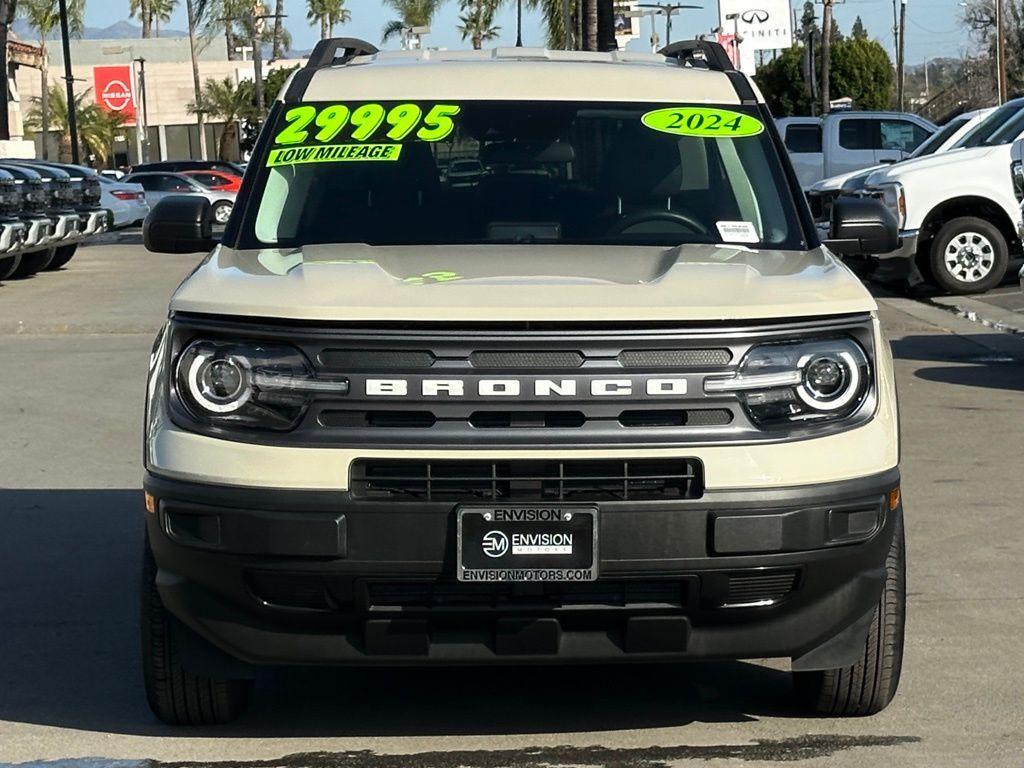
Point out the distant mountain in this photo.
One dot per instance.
(121, 30)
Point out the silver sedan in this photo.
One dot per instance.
(161, 184)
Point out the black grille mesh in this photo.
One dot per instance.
(542, 361)
(758, 587)
(674, 358)
(372, 360)
(614, 480)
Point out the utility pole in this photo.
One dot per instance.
(668, 11)
(1000, 53)
(900, 51)
(142, 127)
(197, 89)
(69, 80)
(826, 35)
(567, 24)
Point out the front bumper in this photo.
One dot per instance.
(39, 232)
(66, 226)
(320, 577)
(95, 222)
(12, 236)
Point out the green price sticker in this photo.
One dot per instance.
(363, 122)
(333, 153)
(703, 122)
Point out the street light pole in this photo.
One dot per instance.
(668, 11)
(142, 127)
(69, 80)
(1000, 53)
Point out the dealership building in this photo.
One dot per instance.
(107, 71)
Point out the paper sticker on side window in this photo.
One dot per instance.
(707, 122)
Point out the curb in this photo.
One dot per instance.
(996, 318)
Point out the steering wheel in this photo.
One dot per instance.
(645, 216)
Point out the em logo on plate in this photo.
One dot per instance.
(495, 544)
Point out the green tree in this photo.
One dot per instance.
(861, 70)
(412, 13)
(328, 14)
(477, 21)
(553, 12)
(97, 127)
(859, 32)
(275, 81)
(160, 12)
(227, 101)
(44, 17)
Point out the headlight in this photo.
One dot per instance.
(793, 383)
(256, 385)
(895, 200)
(1017, 172)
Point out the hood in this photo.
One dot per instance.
(844, 181)
(944, 162)
(354, 282)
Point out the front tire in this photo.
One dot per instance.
(175, 695)
(62, 256)
(222, 212)
(32, 263)
(868, 686)
(969, 255)
(8, 265)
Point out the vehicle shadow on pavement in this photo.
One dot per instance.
(974, 360)
(69, 656)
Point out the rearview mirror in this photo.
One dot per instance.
(179, 224)
(862, 226)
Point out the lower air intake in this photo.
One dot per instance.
(604, 480)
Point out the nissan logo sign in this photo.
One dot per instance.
(754, 16)
(116, 95)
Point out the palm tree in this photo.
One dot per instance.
(44, 17)
(58, 106)
(98, 129)
(142, 10)
(328, 14)
(413, 13)
(160, 11)
(477, 21)
(227, 101)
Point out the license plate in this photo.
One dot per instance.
(527, 543)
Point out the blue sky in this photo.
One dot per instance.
(933, 27)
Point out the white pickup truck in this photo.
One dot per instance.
(958, 215)
(841, 142)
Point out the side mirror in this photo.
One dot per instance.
(862, 226)
(179, 224)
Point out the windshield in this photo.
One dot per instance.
(394, 173)
(983, 134)
(934, 142)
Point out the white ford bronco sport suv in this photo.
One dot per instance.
(610, 400)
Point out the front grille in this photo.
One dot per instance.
(604, 480)
(674, 358)
(446, 596)
(375, 360)
(541, 361)
(698, 417)
(745, 589)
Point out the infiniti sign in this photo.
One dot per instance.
(755, 16)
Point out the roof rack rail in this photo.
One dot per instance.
(338, 50)
(713, 55)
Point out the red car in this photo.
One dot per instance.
(216, 180)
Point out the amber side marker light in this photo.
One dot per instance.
(894, 499)
(151, 502)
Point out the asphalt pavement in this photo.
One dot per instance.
(74, 349)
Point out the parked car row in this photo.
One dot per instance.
(46, 211)
(959, 217)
